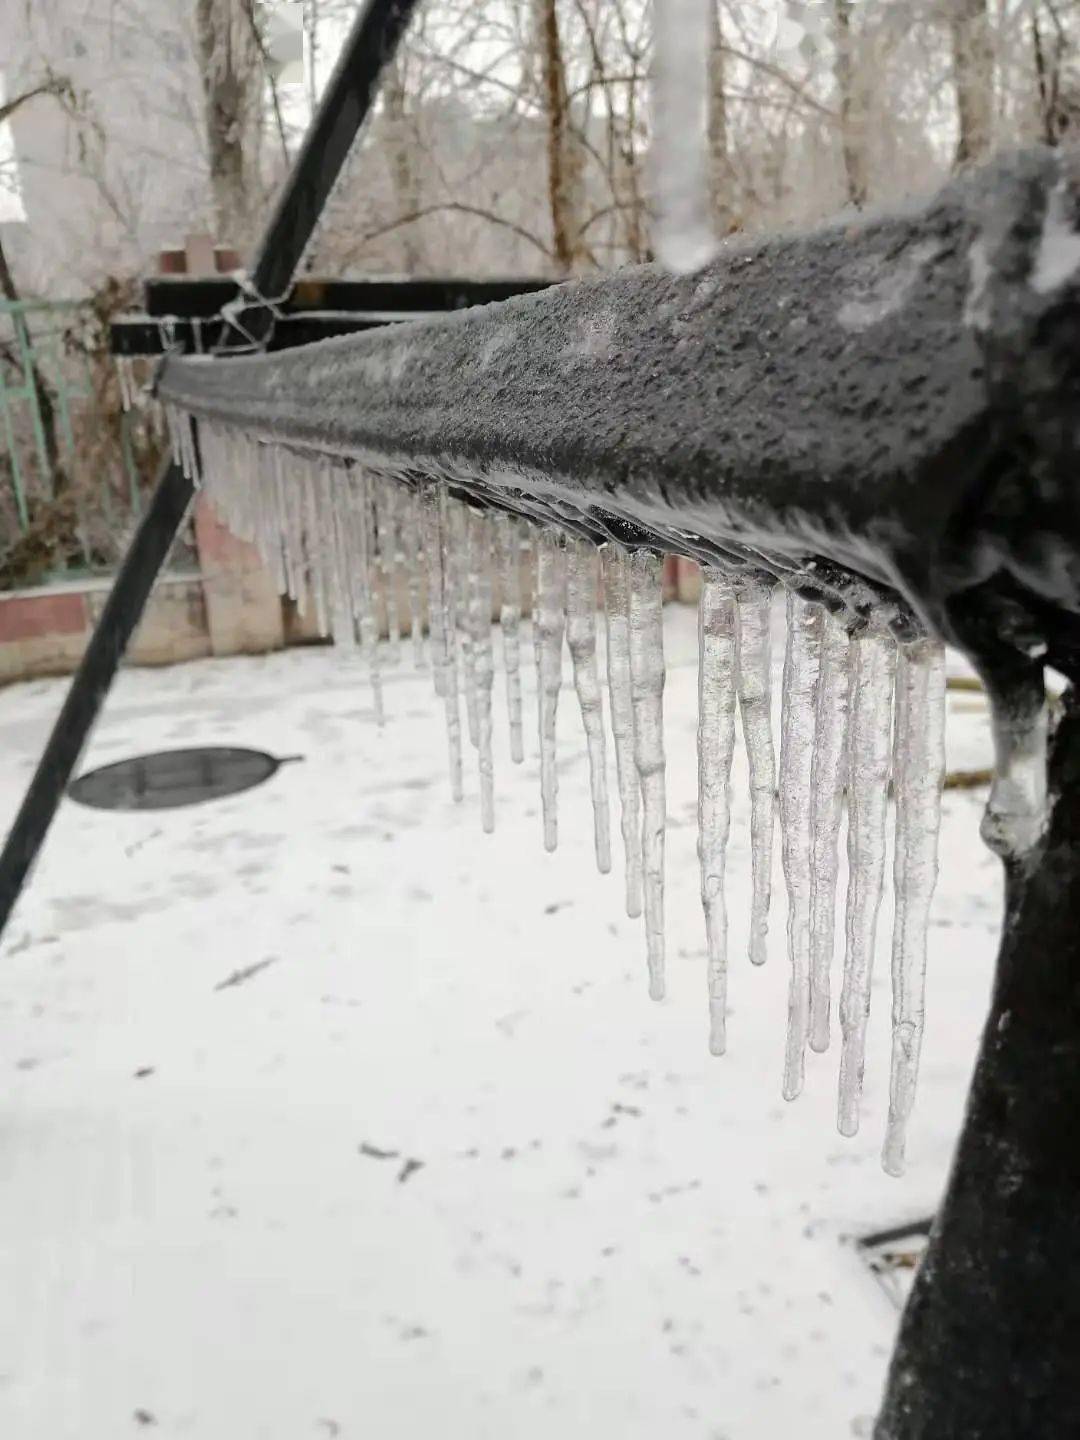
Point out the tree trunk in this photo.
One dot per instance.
(990, 1339)
(973, 71)
(721, 174)
(43, 396)
(561, 186)
(852, 107)
(401, 139)
(232, 78)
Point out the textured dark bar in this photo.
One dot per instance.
(892, 394)
(92, 681)
(165, 295)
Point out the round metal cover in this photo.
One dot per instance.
(172, 778)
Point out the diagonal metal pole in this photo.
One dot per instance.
(346, 103)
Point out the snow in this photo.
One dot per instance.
(610, 1234)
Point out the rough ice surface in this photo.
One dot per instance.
(919, 774)
(581, 597)
(480, 604)
(684, 235)
(826, 806)
(647, 676)
(508, 552)
(716, 748)
(754, 671)
(806, 624)
(615, 563)
(869, 750)
(549, 625)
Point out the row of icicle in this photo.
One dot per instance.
(858, 711)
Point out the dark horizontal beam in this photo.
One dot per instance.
(204, 298)
(891, 395)
(134, 335)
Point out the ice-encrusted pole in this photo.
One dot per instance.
(581, 578)
(480, 606)
(616, 575)
(716, 747)
(680, 103)
(869, 751)
(549, 625)
(827, 796)
(806, 624)
(508, 550)
(647, 676)
(919, 770)
(754, 671)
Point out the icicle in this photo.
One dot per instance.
(581, 639)
(868, 788)
(827, 794)
(412, 553)
(1016, 812)
(615, 564)
(447, 590)
(463, 595)
(681, 48)
(806, 623)
(364, 531)
(431, 528)
(647, 691)
(716, 746)
(754, 672)
(315, 547)
(549, 623)
(919, 770)
(481, 602)
(385, 496)
(335, 523)
(508, 550)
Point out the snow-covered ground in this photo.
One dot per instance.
(439, 1167)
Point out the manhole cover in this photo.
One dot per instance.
(174, 777)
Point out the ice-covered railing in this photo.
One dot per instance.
(870, 416)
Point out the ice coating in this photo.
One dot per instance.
(754, 672)
(647, 676)
(680, 102)
(615, 567)
(480, 603)
(1016, 812)
(581, 595)
(716, 747)
(549, 624)
(873, 671)
(826, 806)
(508, 553)
(806, 624)
(919, 774)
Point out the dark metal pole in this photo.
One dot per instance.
(989, 1346)
(343, 108)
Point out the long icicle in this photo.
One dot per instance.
(384, 541)
(549, 624)
(508, 550)
(805, 626)
(647, 675)
(480, 607)
(827, 794)
(754, 671)
(868, 789)
(581, 640)
(716, 747)
(413, 557)
(615, 563)
(919, 770)
(463, 601)
(431, 506)
(449, 558)
(364, 580)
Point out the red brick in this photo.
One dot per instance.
(29, 617)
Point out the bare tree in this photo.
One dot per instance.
(562, 159)
(721, 175)
(973, 72)
(232, 75)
